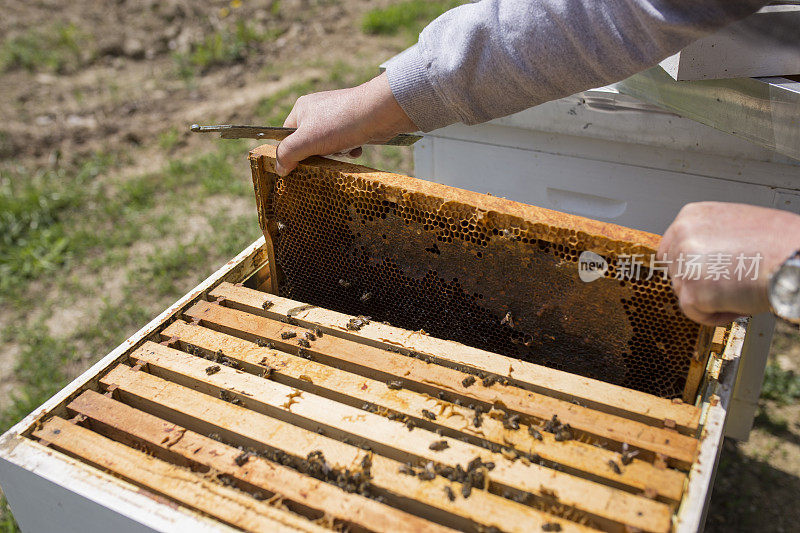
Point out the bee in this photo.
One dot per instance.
(213, 369)
(266, 304)
(355, 324)
(564, 433)
(552, 425)
(288, 334)
(428, 473)
(407, 469)
(365, 297)
(488, 381)
(533, 432)
(477, 421)
(395, 385)
(304, 343)
(627, 455)
(508, 319)
(427, 414)
(466, 489)
(450, 495)
(468, 381)
(261, 343)
(614, 466)
(310, 336)
(242, 458)
(317, 332)
(410, 424)
(551, 526)
(439, 445)
(344, 283)
(512, 422)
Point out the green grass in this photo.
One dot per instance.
(6, 145)
(7, 522)
(33, 237)
(409, 16)
(223, 47)
(165, 267)
(39, 370)
(61, 48)
(169, 139)
(274, 108)
(780, 386)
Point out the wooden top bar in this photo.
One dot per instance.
(176, 483)
(391, 438)
(424, 376)
(582, 458)
(142, 428)
(593, 393)
(204, 414)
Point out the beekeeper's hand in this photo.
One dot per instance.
(334, 122)
(729, 239)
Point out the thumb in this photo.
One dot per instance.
(292, 150)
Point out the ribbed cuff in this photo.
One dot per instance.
(408, 78)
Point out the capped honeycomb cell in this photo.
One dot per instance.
(484, 271)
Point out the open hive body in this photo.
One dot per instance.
(262, 401)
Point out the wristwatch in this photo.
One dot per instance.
(784, 290)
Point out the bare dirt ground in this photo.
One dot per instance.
(99, 173)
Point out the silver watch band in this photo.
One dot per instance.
(783, 290)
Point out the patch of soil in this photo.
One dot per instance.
(127, 89)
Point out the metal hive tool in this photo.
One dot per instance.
(484, 271)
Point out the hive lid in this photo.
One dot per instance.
(484, 271)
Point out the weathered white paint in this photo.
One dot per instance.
(51, 493)
(692, 513)
(743, 49)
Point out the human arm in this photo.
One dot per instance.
(491, 58)
(707, 229)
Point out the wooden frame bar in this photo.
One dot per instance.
(456, 220)
(582, 459)
(592, 393)
(176, 483)
(203, 414)
(137, 428)
(392, 439)
(427, 377)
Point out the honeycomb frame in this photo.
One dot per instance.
(484, 271)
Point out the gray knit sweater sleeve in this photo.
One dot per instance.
(492, 58)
